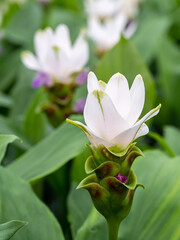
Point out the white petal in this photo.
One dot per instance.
(30, 61)
(101, 116)
(143, 130)
(149, 115)
(80, 52)
(42, 42)
(137, 94)
(118, 90)
(92, 82)
(128, 136)
(95, 140)
(63, 37)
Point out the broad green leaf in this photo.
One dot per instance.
(75, 21)
(78, 171)
(10, 126)
(169, 74)
(77, 211)
(35, 123)
(155, 211)
(9, 63)
(5, 101)
(95, 227)
(149, 34)
(172, 137)
(4, 141)
(22, 92)
(163, 143)
(125, 59)
(65, 143)
(23, 24)
(8, 229)
(18, 201)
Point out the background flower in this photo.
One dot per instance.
(55, 54)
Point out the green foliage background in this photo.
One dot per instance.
(39, 175)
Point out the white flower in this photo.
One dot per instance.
(107, 33)
(130, 8)
(112, 111)
(55, 54)
(102, 8)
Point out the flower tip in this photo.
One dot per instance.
(159, 106)
(90, 73)
(68, 120)
(24, 54)
(39, 31)
(139, 77)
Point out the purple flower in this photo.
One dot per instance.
(79, 105)
(81, 78)
(121, 178)
(41, 79)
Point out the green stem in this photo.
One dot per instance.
(113, 227)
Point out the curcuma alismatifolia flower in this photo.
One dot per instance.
(107, 33)
(55, 55)
(111, 113)
(102, 8)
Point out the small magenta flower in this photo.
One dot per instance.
(55, 54)
(41, 79)
(79, 106)
(121, 178)
(112, 111)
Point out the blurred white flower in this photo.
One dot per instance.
(107, 33)
(112, 111)
(102, 8)
(130, 8)
(55, 54)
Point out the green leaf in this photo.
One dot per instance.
(94, 227)
(78, 171)
(9, 63)
(75, 21)
(65, 143)
(155, 211)
(10, 126)
(77, 211)
(163, 143)
(7, 230)
(4, 141)
(125, 59)
(18, 201)
(172, 136)
(5, 101)
(22, 92)
(35, 123)
(24, 23)
(150, 34)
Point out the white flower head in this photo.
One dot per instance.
(112, 111)
(130, 8)
(102, 8)
(107, 33)
(55, 54)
